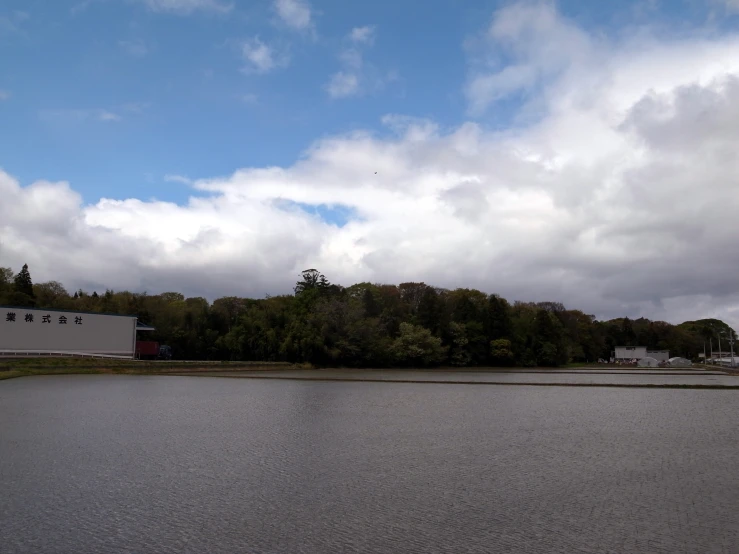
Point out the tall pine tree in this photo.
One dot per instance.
(22, 282)
(21, 293)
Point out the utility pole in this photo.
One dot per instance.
(705, 360)
(720, 352)
(731, 343)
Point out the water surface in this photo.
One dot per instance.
(186, 464)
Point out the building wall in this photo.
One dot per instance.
(660, 355)
(23, 329)
(629, 352)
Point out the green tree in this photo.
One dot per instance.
(501, 352)
(51, 294)
(172, 297)
(459, 354)
(411, 294)
(373, 325)
(6, 278)
(499, 318)
(369, 303)
(628, 336)
(22, 292)
(523, 316)
(548, 339)
(417, 347)
(312, 279)
(6, 285)
(107, 304)
(22, 282)
(547, 354)
(394, 310)
(430, 311)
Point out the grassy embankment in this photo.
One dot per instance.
(21, 367)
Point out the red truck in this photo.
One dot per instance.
(151, 350)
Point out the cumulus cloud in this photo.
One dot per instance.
(186, 7)
(294, 13)
(542, 44)
(619, 197)
(261, 57)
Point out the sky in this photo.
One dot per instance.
(573, 151)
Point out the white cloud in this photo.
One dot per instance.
(105, 115)
(186, 7)
(357, 76)
(12, 23)
(351, 58)
(619, 198)
(294, 13)
(364, 34)
(543, 45)
(4, 95)
(178, 179)
(342, 85)
(249, 98)
(72, 116)
(730, 5)
(135, 47)
(261, 57)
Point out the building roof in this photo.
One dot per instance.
(28, 308)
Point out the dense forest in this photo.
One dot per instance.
(371, 325)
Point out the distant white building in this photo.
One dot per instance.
(630, 352)
(36, 332)
(622, 353)
(659, 355)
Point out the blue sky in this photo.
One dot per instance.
(178, 103)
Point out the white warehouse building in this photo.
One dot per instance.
(639, 352)
(36, 332)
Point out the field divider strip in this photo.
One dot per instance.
(440, 382)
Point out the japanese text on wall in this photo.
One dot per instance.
(13, 317)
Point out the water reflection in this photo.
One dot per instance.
(168, 464)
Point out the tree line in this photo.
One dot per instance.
(371, 325)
